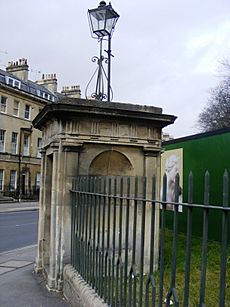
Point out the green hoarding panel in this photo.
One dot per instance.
(203, 152)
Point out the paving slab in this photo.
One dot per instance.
(23, 288)
(4, 270)
(15, 263)
(27, 253)
(20, 286)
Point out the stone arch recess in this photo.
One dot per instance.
(111, 163)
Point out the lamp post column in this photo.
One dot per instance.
(102, 24)
(109, 67)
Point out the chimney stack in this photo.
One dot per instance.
(49, 81)
(72, 91)
(19, 69)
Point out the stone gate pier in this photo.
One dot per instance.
(88, 137)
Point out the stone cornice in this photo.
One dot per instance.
(67, 109)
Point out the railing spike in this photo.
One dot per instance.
(164, 192)
(190, 187)
(177, 187)
(206, 188)
(225, 189)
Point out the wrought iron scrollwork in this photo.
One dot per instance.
(101, 78)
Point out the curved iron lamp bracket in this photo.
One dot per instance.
(101, 77)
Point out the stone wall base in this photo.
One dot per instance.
(78, 292)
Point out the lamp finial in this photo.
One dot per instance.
(102, 3)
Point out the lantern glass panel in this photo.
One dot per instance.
(103, 20)
(109, 25)
(111, 19)
(97, 18)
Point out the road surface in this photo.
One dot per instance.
(18, 229)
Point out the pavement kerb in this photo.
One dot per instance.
(18, 209)
(16, 250)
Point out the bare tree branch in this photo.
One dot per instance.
(216, 113)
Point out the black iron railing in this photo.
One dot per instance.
(116, 223)
(28, 192)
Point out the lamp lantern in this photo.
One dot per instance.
(102, 21)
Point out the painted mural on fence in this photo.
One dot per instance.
(171, 164)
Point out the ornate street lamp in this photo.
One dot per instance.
(102, 22)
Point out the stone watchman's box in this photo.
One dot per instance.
(88, 137)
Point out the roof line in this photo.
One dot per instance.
(198, 136)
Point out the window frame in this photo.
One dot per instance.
(27, 112)
(16, 108)
(2, 140)
(39, 145)
(13, 186)
(38, 176)
(14, 145)
(26, 149)
(13, 82)
(3, 106)
(2, 178)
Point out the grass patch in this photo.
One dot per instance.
(212, 276)
(212, 290)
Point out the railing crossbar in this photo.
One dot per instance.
(114, 243)
(147, 200)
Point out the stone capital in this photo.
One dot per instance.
(72, 147)
(54, 145)
(151, 152)
(42, 152)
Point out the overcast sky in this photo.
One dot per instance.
(166, 52)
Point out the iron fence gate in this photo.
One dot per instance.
(115, 243)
